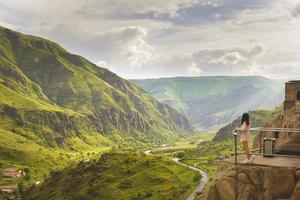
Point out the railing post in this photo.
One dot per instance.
(260, 142)
(235, 146)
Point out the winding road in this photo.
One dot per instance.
(202, 182)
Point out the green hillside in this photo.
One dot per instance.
(56, 107)
(122, 176)
(211, 102)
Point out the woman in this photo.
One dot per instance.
(245, 137)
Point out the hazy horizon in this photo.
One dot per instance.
(154, 39)
(171, 77)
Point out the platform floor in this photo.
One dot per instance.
(269, 161)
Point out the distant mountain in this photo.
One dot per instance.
(52, 99)
(211, 102)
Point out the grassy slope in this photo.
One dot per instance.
(43, 71)
(57, 108)
(127, 175)
(19, 151)
(220, 99)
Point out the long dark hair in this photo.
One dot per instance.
(245, 118)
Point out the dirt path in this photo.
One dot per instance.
(202, 182)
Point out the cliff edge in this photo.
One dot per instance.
(253, 182)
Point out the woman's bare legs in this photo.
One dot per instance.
(246, 149)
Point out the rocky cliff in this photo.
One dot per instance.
(286, 142)
(254, 183)
(257, 182)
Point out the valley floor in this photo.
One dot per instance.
(121, 176)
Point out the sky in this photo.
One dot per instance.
(153, 38)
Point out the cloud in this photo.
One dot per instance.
(296, 11)
(154, 38)
(232, 60)
(236, 55)
(291, 70)
(127, 9)
(193, 70)
(124, 45)
(229, 58)
(225, 61)
(174, 11)
(213, 3)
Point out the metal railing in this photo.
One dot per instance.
(261, 130)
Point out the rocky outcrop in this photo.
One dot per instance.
(254, 183)
(57, 121)
(114, 118)
(171, 116)
(286, 142)
(61, 125)
(72, 124)
(64, 125)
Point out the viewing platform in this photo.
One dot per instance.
(276, 161)
(266, 155)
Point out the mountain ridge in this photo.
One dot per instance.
(66, 107)
(65, 64)
(212, 101)
(204, 76)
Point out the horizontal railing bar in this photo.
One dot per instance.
(257, 149)
(264, 129)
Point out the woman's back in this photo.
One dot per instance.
(245, 132)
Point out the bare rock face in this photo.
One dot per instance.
(279, 181)
(254, 183)
(287, 142)
(225, 189)
(296, 192)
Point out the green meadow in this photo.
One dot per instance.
(122, 176)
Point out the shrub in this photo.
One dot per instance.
(125, 184)
(3, 195)
(197, 177)
(21, 189)
(148, 194)
(180, 154)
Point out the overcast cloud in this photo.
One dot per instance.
(154, 38)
